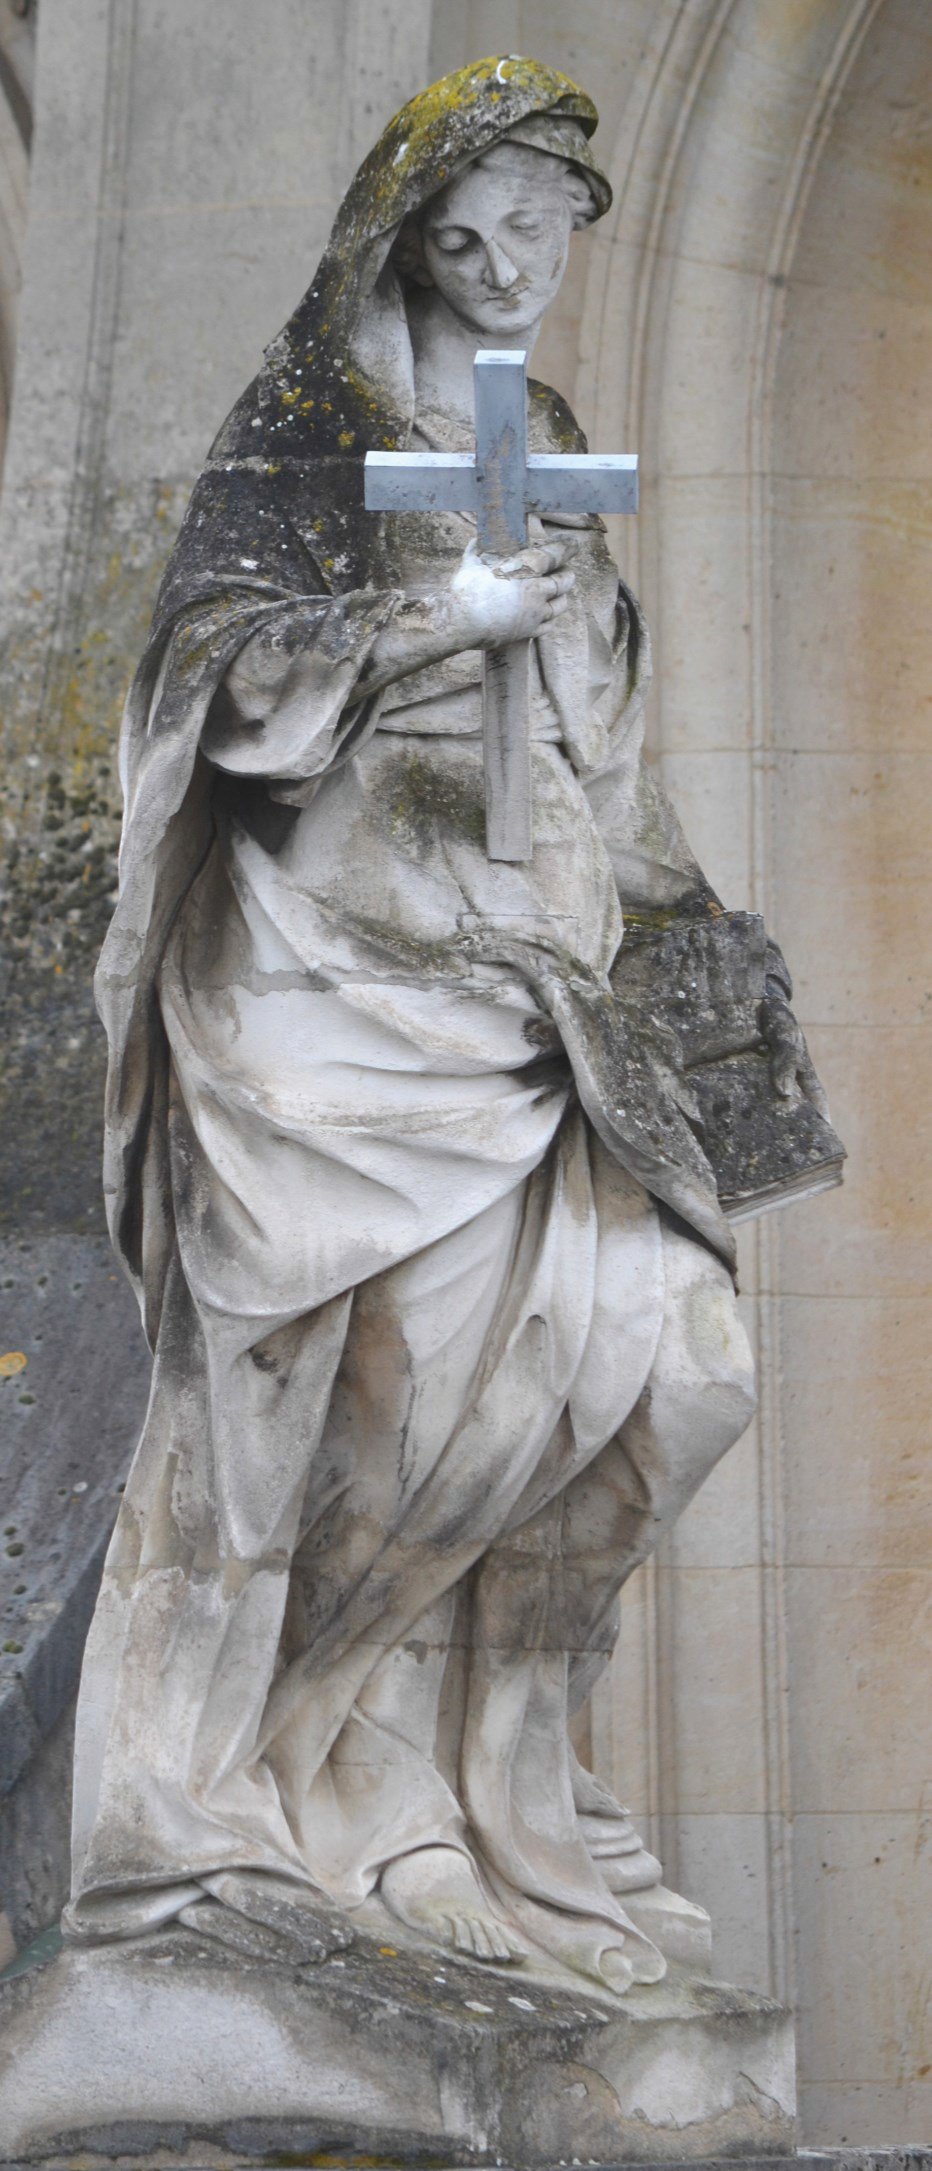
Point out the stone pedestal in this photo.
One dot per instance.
(175, 2044)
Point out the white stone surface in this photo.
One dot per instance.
(718, 120)
(452, 1372)
(131, 2049)
(774, 240)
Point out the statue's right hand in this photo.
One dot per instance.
(497, 600)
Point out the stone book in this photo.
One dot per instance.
(705, 980)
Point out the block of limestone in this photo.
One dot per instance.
(176, 2043)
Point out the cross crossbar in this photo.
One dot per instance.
(500, 484)
(445, 482)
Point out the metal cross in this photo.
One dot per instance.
(501, 483)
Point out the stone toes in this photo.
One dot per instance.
(483, 1943)
(463, 1934)
(501, 1947)
(482, 1939)
(492, 1942)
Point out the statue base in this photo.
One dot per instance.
(171, 2047)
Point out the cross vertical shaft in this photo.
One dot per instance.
(499, 485)
(501, 493)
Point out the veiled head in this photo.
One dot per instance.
(494, 242)
(340, 376)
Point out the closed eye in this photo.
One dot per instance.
(451, 240)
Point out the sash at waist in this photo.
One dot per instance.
(459, 716)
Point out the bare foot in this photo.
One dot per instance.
(436, 1892)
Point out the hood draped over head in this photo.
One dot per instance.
(276, 528)
(338, 380)
(339, 376)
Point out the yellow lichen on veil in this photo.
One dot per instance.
(496, 91)
(337, 381)
(439, 132)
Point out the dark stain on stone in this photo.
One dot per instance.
(60, 704)
(424, 799)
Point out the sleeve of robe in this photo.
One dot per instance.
(653, 862)
(289, 707)
(595, 662)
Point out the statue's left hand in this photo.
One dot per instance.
(791, 1066)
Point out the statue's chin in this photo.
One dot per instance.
(492, 318)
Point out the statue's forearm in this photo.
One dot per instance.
(424, 630)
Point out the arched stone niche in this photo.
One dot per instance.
(758, 323)
(753, 318)
(17, 59)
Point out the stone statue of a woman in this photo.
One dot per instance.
(440, 1350)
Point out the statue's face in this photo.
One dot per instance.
(495, 242)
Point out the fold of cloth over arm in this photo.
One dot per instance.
(654, 865)
(286, 708)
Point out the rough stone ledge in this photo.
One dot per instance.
(827, 2159)
(168, 2051)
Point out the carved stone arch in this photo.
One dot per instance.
(758, 315)
(720, 139)
(17, 46)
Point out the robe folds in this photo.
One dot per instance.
(394, 1229)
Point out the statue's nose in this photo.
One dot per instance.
(502, 271)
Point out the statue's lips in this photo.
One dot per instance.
(507, 304)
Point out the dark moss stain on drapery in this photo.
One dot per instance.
(282, 488)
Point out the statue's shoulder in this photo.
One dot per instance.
(552, 425)
(241, 434)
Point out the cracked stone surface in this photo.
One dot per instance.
(173, 2044)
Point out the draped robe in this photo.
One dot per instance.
(395, 1234)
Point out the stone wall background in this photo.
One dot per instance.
(755, 317)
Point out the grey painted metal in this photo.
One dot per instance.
(500, 485)
(506, 751)
(421, 482)
(501, 528)
(447, 482)
(501, 451)
(582, 482)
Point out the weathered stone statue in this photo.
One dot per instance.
(407, 1166)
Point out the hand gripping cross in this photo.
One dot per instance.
(501, 483)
